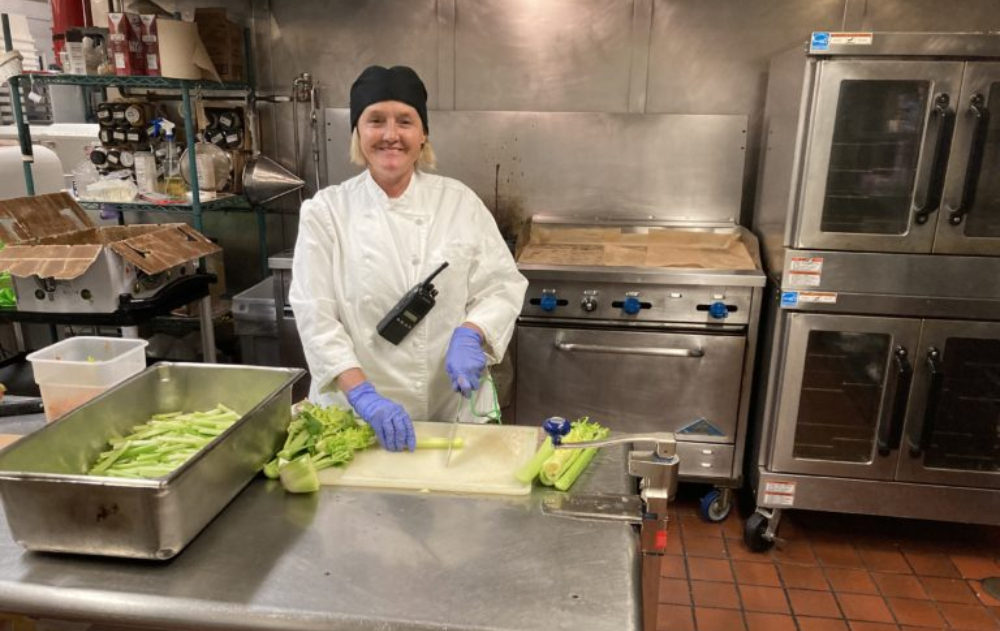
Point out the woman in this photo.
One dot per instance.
(364, 243)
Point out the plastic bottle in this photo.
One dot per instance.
(173, 184)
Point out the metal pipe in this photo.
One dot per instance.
(23, 131)
(314, 121)
(189, 132)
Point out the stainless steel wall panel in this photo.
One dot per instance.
(558, 55)
(931, 15)
(711, 56)
(565, 163)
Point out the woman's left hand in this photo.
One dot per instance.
(465, 360)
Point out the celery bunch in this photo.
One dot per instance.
(317, 438)
(163, 443)
(561, 467)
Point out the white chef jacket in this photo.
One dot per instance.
(358, 252)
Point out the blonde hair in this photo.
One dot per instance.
(426, 161)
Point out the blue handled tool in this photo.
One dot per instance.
(556, 427)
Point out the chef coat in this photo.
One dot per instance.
(358, 252)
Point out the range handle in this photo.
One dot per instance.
(890, 427)
(570, 347)
(925, 427)
(931, 181)
(977, 109)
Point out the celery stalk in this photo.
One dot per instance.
(567, 479)
(530, 470)
(440, 443)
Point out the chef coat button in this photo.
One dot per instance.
(367, 299)
(415, 261)
(420, 222)
(418, 384)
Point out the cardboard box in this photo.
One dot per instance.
(224, 42)
(62, 263)
(125, 44)
(150, 44)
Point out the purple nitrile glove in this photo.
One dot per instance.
(465, 360)
(390, 421)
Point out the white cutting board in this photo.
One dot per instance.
(486, 464)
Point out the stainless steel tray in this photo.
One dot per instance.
(51, 505)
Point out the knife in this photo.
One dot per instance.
(454, 430)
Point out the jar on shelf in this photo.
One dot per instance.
(105, 114)
(119, 134)
(136, 136)
(114, 157)
(118, 112)
(230, 120)
(138, 115)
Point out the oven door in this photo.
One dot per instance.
(842, 394)
(874, 154)
(632, 381)
(969, 221)
(953, 424)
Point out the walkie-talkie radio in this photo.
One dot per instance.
(410, 310)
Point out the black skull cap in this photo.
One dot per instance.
(377, 84)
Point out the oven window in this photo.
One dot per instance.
(966, 424)
(841, 392)
(983, 219)
(873, 161)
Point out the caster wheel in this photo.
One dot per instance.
(715, 507)
(753, 533)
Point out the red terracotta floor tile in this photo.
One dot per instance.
(714, 547)
(674, 591)
(812, 603)
(718, 619)
(802, 577)
(794, 551)
(675, 543)
(739, 552)
(949, 590)
(821, 624)
(850, 581)
(969, 617)
(931, 564)
(717, 595)
(986, 599)
(674, 618)
(673, 567)
(756, 573)
(838, 555)
(693, 525)
(884, 560)
(864, 607)
(732, 528)
(975, 566)
(764, 599)
(899, 586)
(769, 622)
(860, 625)
(709, 570)
(917, 613)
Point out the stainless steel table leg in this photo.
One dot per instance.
(207, 330)
(130, 332)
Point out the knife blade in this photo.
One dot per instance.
(454, 430)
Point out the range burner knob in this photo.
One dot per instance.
(631, 305)
(588, 304)
(718, 310)
(548, 302)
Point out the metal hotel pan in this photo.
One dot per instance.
(51, 505)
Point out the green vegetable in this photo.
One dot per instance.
(299, 475)
(317, 438)
(567, 479)
(561, 467)
(163, 443)
(440, 443)
(530, 470)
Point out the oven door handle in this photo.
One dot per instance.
(890, 429)
(570, 347)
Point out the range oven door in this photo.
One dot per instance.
(842, 394)
(631, 381)
(969, 221)
(875, 150)
(953, 422)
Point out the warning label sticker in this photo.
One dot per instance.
(779, 493)
(820, 297)
(851, 39)
(805, 271)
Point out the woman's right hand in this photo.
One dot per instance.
(391, 423)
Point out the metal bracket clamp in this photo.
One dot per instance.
(657, 470)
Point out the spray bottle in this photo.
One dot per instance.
(173, 184)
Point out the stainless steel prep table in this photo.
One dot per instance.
(357, 559)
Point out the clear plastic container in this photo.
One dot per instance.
(71, 372)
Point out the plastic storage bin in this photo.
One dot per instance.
(71, 372)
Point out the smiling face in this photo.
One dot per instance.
(391, 136)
